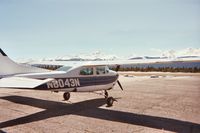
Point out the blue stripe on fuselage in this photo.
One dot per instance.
(84, 81)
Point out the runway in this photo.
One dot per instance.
(167, 103)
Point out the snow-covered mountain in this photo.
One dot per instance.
(94, 56)
(188, 53)
(170, 55)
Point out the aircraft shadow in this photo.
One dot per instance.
(2, 131)
(90, 108)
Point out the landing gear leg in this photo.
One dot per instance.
(109, 100)
(106, 94)
(66, 96)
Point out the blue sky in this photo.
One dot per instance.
(47, 28)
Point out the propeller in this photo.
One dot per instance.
(120, 85)
(117, 69)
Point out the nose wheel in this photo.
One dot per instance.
(110, 101)
(66, 96)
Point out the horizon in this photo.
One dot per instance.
(190, 53)
(49, 28)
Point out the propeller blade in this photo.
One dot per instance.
(120, 85)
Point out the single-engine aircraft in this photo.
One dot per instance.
(84, 78)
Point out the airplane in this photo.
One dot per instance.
(83, 78)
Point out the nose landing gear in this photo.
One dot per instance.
(106, 94)
(109, 100)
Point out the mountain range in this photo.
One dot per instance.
(172, 55)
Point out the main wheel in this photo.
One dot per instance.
(110, 101)
(66, 96)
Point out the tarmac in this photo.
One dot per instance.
(148, 104)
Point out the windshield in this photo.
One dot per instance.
(64, 68)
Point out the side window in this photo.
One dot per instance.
(86, 71)
(101, 70)
(107, 69)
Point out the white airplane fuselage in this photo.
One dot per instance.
(72, 80)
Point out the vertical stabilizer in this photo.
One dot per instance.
(9, 67)
(2, 53)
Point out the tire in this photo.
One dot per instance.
(66, 96)
(110, 101)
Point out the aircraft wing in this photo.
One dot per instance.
(22, 82)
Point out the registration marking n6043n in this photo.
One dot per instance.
(64, 83)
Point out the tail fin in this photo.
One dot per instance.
(2, 53)
(9, 67)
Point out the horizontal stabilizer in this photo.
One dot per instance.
(22, 82)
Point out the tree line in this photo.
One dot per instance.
(160, 69)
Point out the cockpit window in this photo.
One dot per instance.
(86, 71)
(102, 70)
(64, 68)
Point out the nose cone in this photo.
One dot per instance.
(117, 74)
(114, 73)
